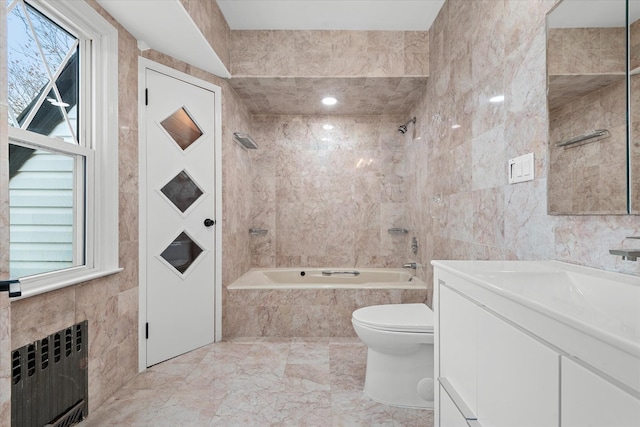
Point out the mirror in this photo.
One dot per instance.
(587, 99)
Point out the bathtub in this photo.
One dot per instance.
(311, 302)
(327, 278)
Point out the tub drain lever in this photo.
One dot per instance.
(332, 272)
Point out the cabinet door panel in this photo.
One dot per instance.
(518, 377)
(589, 400)
(458, 344)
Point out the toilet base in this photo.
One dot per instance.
(393, 379)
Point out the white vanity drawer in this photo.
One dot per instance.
(588, 399)
(517, 376)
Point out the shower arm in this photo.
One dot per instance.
(403, 128)
(410, 121)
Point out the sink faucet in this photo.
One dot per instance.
(627, 254)
(413, 265)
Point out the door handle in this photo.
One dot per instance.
(209, 222)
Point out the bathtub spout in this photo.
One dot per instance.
(411, 265)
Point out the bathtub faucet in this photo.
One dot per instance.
(411, 265)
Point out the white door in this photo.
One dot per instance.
(180, 200)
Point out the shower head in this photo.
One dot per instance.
(245, 140)
(403, 128)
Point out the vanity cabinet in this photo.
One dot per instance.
(499, 363)
(504, 376)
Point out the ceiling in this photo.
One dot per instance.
(357, 96)
(383, 15)
(590, 14)
(567, 88)
(151, 32)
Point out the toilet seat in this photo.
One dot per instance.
(416, 318)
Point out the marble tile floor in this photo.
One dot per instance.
(256, 382)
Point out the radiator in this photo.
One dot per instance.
(49, 380)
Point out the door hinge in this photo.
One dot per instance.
(146, 97)
(146, 330)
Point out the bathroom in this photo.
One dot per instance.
(451, 183)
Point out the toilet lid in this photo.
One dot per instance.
(396, 317)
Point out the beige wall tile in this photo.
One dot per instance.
(583, 175)
(329, 184)
(329, 53)
(209, 19)
(508, 221)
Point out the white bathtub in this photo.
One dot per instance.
(328, 278)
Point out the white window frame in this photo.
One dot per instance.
(99, 131)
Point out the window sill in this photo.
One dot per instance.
(37, 286)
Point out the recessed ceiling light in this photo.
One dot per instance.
(327, 127)
(329, 100)
(498, 98)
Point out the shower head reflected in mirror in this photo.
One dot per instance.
(403, 128)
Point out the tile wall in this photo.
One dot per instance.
(586, 50)
(329, 53)
(458, 199)
(303, 312)
(209, 19)
(328, 196)
(5, 361)
(358, 95)
(634, 51)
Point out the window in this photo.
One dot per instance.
(63, 189)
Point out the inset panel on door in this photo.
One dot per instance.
(182, 191)
(182, 252)
(182, 128)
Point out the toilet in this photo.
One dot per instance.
(399, 338)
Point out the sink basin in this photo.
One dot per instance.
(609, 304)
(605, 303)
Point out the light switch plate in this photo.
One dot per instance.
(521, 169)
